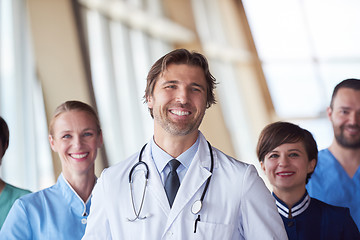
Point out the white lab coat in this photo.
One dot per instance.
(237, 204)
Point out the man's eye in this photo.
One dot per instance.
(170, 86)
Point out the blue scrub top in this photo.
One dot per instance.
(331, 184)
(53, 213)
(312, 219)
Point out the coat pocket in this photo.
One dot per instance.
(211, 231)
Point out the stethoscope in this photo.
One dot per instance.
(197, 205)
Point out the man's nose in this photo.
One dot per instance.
(182, 95)
(354, 118)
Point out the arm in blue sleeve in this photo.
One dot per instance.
(16, 225)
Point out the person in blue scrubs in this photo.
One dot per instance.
(60, 211)
(336, 179)
(288, 156)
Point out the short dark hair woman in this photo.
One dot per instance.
(288, 156)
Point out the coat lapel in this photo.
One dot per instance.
(193, 181)
(155, 186)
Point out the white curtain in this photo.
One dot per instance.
(27, 162)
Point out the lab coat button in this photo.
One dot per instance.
(169, 234)
(83, 221)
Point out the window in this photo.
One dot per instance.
(306, 48)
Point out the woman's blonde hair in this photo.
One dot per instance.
(74, 106)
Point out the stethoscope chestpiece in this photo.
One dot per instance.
(196, 207)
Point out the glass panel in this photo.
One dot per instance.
(334, 27)
(126, 90)
(278, 29)
(307, 46)
(334, 72)
(209, 25)
(294, 89)
(321, 130)
(104, 85)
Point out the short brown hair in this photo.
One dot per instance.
(351, 83)
(74, 106)
(278, 133)
(4, 136)
(181, 56)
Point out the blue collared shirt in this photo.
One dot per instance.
(331, 184)
(161, 158)
(56, 212)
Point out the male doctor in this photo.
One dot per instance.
(235, 204)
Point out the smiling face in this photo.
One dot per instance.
(76, 139)
(287, 167)
(179, 100)
(345, 117)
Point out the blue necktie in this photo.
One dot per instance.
(172, 182)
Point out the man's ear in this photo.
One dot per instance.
(150, 102)
(329, 112)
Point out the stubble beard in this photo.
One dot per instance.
(345, 141)
(178, 128)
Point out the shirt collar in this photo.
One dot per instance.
(296, 210)
(77, 204)
(161, 158)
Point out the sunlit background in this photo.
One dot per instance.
(274, 60)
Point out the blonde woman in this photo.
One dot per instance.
(60, 211)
